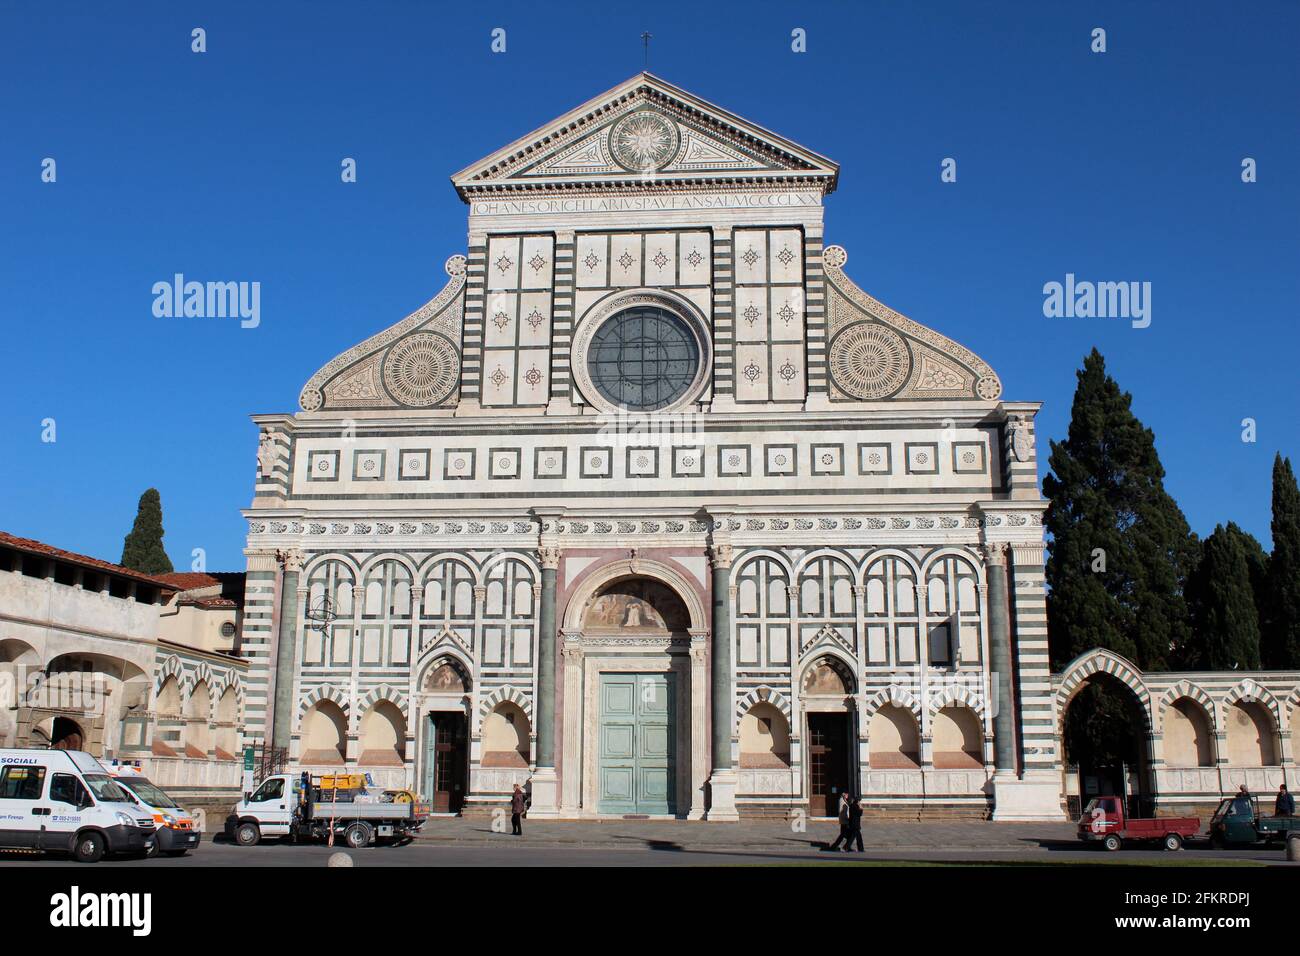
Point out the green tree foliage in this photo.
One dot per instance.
(143, 548)
(1108, 508)
(1282, 624)
(1103, 726)
(1225, 616)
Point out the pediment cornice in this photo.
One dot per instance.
(645, 131)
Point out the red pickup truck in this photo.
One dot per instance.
(1104, 821)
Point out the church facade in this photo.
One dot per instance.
(653, 510)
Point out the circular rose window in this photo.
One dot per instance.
(643, 358)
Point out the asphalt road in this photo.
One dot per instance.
(426, 854)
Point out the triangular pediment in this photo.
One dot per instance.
(645, 130)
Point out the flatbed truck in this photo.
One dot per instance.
(298, 807)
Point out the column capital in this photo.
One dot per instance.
(291, 559)
(549, 554)
(995, 553)
(721, 554)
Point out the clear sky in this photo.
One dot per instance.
(1122, 166)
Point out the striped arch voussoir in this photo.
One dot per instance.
(1102, 662)
(394, 695)
(763, 695)
(204, 673)
(1249, 692)
(1191, 692)
(488, 702)
(948, 696)
(325, 692)
(892, 695)
(171, 668)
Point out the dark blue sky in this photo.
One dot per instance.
(225, 166)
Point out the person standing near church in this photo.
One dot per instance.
(855, 825)
(844, 823)
(1284, 806)
(518, 807)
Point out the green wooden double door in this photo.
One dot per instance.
(637, 771)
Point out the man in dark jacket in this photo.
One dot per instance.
(1285, 804)
(855, 824)
(518, 806)
(845, 825)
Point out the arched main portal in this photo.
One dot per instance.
(633, 731)
(1105, 735)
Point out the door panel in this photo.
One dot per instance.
(449, 763)
(828, 762)
(637, 771)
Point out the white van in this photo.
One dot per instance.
(65, 801)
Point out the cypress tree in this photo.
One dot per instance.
(143, 548)
(1282, 637)
(1120, 548)
(1225, 617)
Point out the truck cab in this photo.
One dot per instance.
(271, 807)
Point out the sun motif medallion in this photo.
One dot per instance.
(643, 141)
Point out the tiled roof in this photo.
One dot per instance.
(32, 546)
(209, 602)
(188, 580)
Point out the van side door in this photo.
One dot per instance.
(69, 802)
(23, 812)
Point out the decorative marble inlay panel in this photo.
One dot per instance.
(769, 315)
(642, 462)
(596, 462)
(413, 464)
(922, 458)
(550, 462)
(323, 465)
(368, 465)
(458, 463)
(875, 458)
(688, 462)
(781, 459)
(827, 459)
(503, 463)
(968, 458)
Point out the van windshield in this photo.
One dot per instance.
(147, 792)
(105, 788)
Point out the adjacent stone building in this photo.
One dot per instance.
(124, 665)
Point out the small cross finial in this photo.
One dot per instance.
(645, 40)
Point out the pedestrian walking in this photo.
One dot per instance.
(855, 824)
(844, 824)
(518, 809)
(1284, 806)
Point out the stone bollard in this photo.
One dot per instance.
(1293, 847)
(339, 859)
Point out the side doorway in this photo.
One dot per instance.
(446, 761)
(829, 762)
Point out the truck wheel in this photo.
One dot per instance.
(356, 836)
(1173, 841)
(1112, 842)
(89, 848)
(247, 834)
